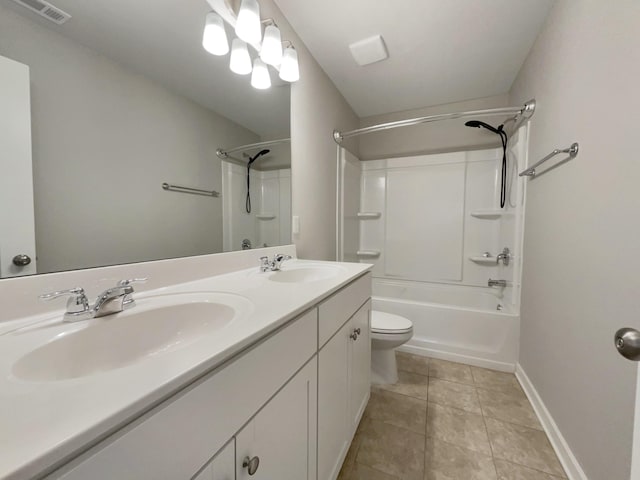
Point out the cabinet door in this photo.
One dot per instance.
(359, 364)
(283, 434)
(223, 465)
(333, 404)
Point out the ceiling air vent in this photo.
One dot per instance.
(46, 10)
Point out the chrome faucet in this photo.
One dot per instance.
(113, 300)
(497, 283)
(505, 256)
(273, 265)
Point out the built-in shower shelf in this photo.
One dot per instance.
(482, 260)
(489, 214)
(368, 253)
(369, 215)
(265, 216)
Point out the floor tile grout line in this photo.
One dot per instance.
(531, 468)
(377, 470)
(486, 429)
(516, 463)
(426, 437)
(516, 424)
(378, 387)
(456, 408)
(487, 415)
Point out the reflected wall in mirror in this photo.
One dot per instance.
(97, 113)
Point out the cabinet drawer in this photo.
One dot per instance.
(178, 437)
(337, 309)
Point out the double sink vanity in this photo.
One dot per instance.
(240, 374)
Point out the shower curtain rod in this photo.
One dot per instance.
(223, 153)
(521, 115)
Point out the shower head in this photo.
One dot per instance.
(478, 124)
(258, 155)
(503, 138)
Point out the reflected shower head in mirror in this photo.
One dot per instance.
(258, 155)
(503, 138)
(251, 160)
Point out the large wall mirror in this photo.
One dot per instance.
(96, 114)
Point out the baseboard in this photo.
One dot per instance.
(565, 455)
(456, 357)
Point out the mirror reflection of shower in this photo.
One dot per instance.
(256, 195)
(251, 160)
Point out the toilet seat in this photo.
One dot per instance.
(388, 323)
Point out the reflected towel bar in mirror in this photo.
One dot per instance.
(194, 191)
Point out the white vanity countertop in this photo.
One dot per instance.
(45, 423)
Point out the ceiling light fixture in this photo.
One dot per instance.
(240, 61)
(214, 39)
(289, 69)
(248, 27)
(260, 77)
(271, 51)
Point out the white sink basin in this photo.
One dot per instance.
(155, 326)
(305, 274)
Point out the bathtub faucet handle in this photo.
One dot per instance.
(505, 256)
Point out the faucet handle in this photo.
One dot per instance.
(61, 293)
(124, 283)
(265, 264)
(78, 303)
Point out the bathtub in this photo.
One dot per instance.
(454, 322)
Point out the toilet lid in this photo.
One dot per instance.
(382, 322)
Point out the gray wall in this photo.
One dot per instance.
(104, 140)
(317, 108)
(445, 136)
(580, 272)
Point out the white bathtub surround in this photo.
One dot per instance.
(269, 222)
(437, 225)
(46, 422)
(429, 227)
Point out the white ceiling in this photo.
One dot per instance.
(440, 51)
(162, 39)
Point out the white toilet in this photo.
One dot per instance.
(388, 331)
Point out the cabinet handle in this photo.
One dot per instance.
(357, 330)
(251, 464)
(353, 336)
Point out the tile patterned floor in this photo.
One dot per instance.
(449, 421)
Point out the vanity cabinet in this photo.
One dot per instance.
(359, 366)
(279, 441)
(283, 434)
(265, 402)
(177, 438)
(222, 466)
(344, 371)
